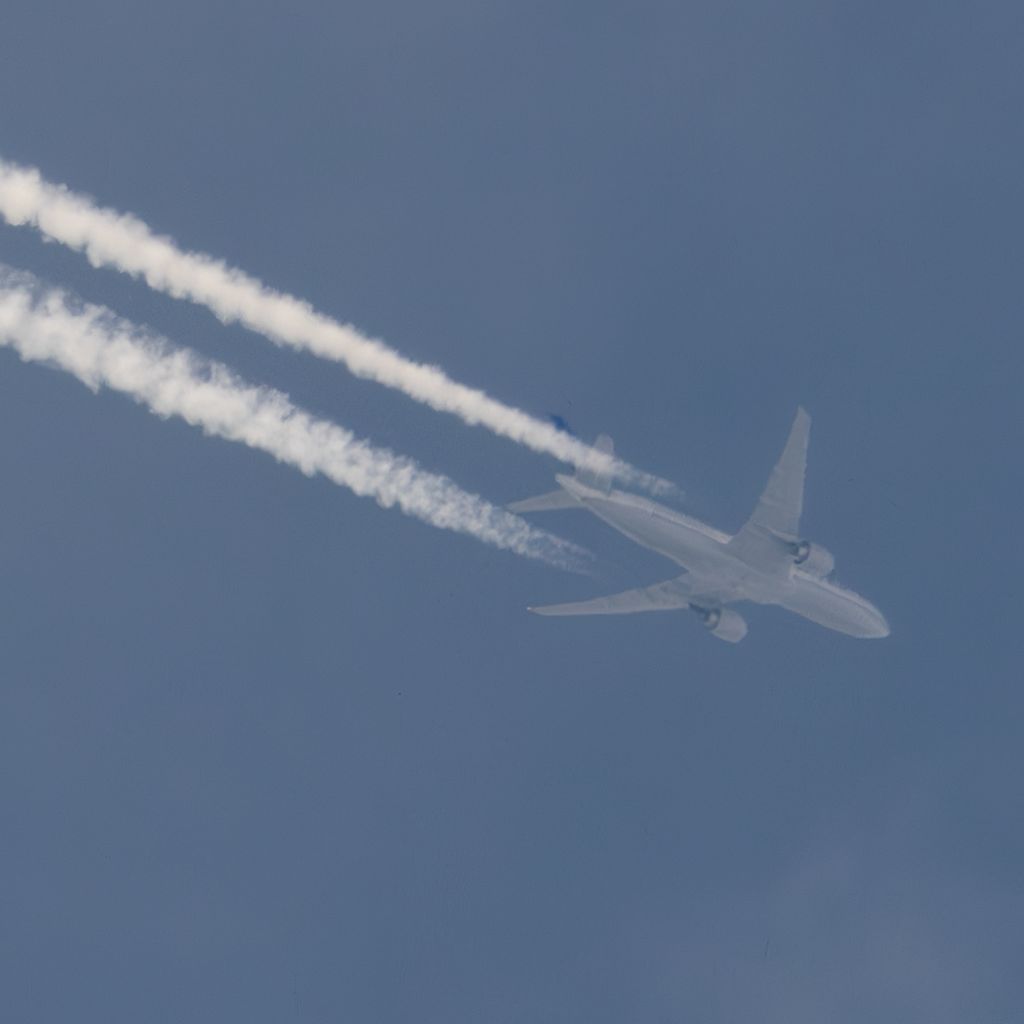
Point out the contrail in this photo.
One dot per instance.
(122, 241)
(45, 325)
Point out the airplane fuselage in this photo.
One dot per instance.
(706, 553)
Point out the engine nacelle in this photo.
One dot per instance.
(812, 558)
(724, 623)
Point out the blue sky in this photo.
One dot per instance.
(268, 752)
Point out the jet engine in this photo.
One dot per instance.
(723, 622)
(812, 558)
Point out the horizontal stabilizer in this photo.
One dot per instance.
(545, 502)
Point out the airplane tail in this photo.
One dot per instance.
(545, 502)
(561, 498)
(592, 477)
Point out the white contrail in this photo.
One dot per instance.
(45, 325)
(109, 238)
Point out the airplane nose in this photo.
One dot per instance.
(877, 626)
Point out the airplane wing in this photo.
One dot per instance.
(782, 502)
(778, 511)
(671, 595)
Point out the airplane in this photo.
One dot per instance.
(767, 561)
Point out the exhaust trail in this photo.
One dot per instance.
(122, 241)
(46, 325)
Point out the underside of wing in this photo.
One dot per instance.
(682, 592)
(782, 502)
(778, 511)
(662, 597)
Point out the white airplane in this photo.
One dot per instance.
(767, 562)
